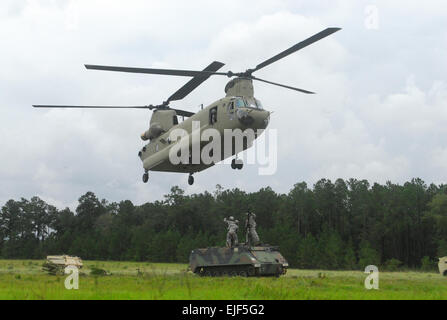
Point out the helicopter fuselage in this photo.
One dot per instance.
(229, 113)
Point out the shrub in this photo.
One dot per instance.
(94, 271)
(427, 264)
(393, 265)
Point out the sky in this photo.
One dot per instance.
(380, 112)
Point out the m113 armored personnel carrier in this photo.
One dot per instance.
(248, 259)
(242, 260)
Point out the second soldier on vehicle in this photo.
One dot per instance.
(252, 237)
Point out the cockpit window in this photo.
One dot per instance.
(240, 103)
(248, 103)
(254, 103)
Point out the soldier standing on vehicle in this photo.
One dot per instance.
(232, 226)
(251, 236)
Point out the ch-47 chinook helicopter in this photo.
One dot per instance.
(239, 109)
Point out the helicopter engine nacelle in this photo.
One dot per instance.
(154, 131)
(161, 122)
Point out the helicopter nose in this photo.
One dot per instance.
(263, 119)
(256, 119)
(266, 119)
(245, 117)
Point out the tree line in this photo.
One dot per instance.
(346, 224)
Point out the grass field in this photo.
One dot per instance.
(24, 279)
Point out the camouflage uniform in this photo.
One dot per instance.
(232, 232)
(252, 237)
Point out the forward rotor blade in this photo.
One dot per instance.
(298, 46)
(195, 82)
(168, 72)
(284, 86)
(92, 107)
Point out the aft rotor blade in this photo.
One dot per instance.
(178, 111)
(168, 72)
(195, 82)
(283, 85)
(298, 46)
(92, 107)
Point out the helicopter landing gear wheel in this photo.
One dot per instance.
(190, 180)
(236, 164)
(145, 177)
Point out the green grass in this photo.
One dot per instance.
(23, 279)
